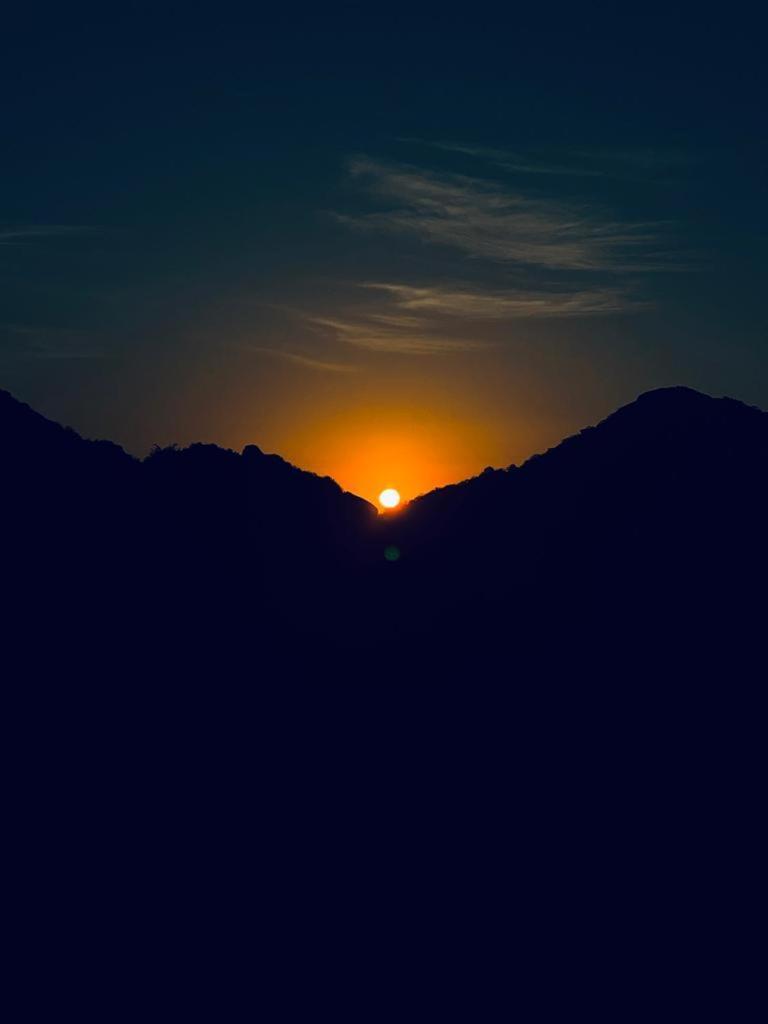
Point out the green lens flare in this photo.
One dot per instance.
(391, 553)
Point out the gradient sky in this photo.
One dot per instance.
(392, 247)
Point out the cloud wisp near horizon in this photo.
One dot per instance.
(532, 258)
(398, 335)
(300, 359)
(482, 304)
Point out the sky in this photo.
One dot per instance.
(394, 245)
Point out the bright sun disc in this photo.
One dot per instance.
(389, 498)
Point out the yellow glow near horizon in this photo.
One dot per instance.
(368, 451)
(413, 422)
(389, 498)
(367, 444)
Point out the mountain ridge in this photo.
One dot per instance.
(659, 399)
(650, 523)
(14, 413)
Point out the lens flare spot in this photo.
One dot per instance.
(391, 553)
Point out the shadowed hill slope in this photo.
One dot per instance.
(672, 460)
(194, 542)
(664, 435)
(51, 469)
(653, 517)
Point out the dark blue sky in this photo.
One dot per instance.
(442, 239)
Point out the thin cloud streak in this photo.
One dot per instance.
(410, 320)
(508, 305)
(376, 334)
(485, 220)
(10, 236)
(308, 362)
(517, 161)
(629, 164)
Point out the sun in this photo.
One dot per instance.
(389, 498)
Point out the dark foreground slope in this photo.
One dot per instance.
(173, 798)
(639, 541)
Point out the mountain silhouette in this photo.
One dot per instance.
(641, 535)
(674, 467)
(572, 652)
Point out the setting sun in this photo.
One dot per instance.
(389, 498)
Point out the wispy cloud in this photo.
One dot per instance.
(308, 362)
(379, 332)
(634, 164)
(525, 163)
(533, 258)
(14, 235)
(410, 320)
(483, 219)
(479, 304)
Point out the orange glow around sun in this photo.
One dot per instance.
(365, 460)
(374, 454)
(403, 423)
(386, 446)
